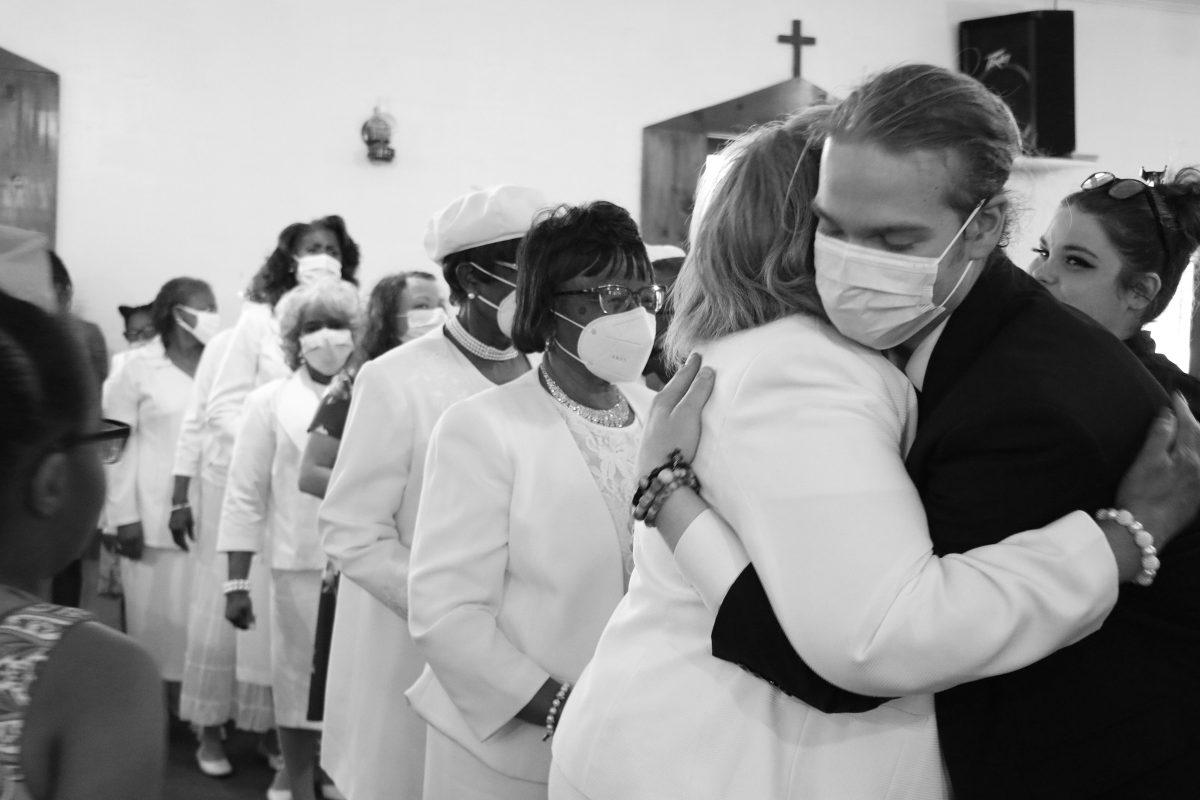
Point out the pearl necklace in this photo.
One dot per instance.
(475, 347)
(616, 417)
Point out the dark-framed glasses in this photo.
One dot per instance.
(110, 440)
(1125, 188)
(615, 298)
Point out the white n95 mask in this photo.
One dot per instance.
(615, 347)
(317, 267)
(327, 350)
(880, 299)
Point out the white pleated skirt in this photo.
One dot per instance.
(157, 596)
(211, 693)
(295, 595)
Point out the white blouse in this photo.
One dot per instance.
(149, 393)
(199, 445)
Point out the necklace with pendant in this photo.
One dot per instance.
(616, 417)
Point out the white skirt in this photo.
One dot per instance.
(295, 595)
(157, 596)
(211, 693)
(452, 773)
(373, 743)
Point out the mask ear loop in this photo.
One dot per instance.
(958, 284)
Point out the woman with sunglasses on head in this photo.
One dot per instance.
(1116, 251)
(81, 706)
(150, 393)
(523, 544)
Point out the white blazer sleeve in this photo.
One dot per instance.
(459, 561)
(357, 520)
(121, 398)
(248, 491)
(191, 431)
(237, 374)
(838, 536)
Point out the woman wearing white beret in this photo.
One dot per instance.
(374, 744)
(523, 541)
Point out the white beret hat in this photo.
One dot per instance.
(482, 217)
(25, 267)
(658, 252)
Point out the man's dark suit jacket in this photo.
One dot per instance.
(1030, 411)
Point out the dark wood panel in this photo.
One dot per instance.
(671, 165)
(28, 145)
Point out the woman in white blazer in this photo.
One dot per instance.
(265, 512)
(523, 542)
(150, 393)
(373, 744)
(802, 455)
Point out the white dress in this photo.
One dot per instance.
(373, 745)
(802, 455)
(266, 513)
(151, 394)
(254, 358)
(211, 693)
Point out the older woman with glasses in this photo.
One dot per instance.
(523, 544)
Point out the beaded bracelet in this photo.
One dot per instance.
(229, 587)
(552, 715)
(1141, 537)
(655, 488)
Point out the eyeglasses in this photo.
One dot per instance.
(1125, 188)
(139, 334)
(111, 440)
(614, 298)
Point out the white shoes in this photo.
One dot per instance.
(215, 767)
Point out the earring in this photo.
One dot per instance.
(471, 295)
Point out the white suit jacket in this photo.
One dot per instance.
(802, 455)
(265, 512)
(199, 445)
(254, 358)
(150, 394)
(515, 569)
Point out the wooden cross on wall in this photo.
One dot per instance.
(796, 40)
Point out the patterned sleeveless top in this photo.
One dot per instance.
(27, 635)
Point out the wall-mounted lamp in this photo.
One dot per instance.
(377, 133)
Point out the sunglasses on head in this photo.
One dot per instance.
(1125, 188)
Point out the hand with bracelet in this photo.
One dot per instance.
(1160, 490)
(181, 523)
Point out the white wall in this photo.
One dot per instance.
(193, 131)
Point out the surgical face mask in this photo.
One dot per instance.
(421, 321)
(877, 298)
(327, 350)
(614, 347)
(317, 267)
(506, 309)
(208, 323)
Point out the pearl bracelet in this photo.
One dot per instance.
(1141, 537)
(229, 587)
(555, 707)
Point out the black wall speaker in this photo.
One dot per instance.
(1029, 60)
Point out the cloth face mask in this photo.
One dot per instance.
(317, 267)
(880, 299)
(208, 324)
(327, 350)
(421, 321)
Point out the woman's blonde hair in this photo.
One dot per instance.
(751, 256)
(338, 298)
